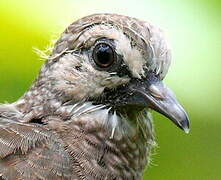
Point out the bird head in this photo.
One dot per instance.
(113, 60)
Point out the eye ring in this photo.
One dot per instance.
(103, 55)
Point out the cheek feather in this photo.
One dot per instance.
(83, 82)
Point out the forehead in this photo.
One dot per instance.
(134, 28)
(147, 39)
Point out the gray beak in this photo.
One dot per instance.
(154, 94)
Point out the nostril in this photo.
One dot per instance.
(156, 92)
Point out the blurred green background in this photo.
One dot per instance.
(193, 28)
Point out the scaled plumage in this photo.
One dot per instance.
(86, 116)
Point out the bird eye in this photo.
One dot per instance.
(103, 55)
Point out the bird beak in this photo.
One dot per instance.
(153, 93)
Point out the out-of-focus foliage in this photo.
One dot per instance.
(194, 29)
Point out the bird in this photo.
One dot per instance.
(87, 114)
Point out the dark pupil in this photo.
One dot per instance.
(103, 55)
